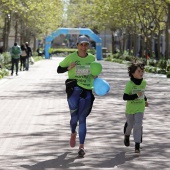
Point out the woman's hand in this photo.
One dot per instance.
(72, 65)
(95, 77)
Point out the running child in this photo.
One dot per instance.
(134, 94)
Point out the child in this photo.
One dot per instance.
(135, 106)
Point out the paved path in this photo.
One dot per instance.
(34, 123)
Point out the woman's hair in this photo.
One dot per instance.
(22, 46)
(133, 67)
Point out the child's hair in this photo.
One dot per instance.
(133, 67)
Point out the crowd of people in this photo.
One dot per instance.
(20, 54)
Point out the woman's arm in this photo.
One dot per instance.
(62, 69)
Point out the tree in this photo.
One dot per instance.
(31, 19)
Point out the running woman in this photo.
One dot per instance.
(79, 89)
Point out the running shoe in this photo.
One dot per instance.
(81, 152)
(73, 140)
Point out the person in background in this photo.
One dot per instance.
(134, 94)
(1, 50)
(79, 89)
(39, 51)
(15, 56)
(23, 57)
(50, 51)
(29, 54)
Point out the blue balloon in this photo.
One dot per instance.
(101, 87)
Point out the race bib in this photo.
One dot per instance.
(82, 70)
(135, 91)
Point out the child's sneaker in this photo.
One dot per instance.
(73, 139)
(137, 147)
(81, 152)
(126, 140)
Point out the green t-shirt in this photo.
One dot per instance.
(81, 72)
(137, 105)
(16, 51)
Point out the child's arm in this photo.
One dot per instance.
(130, 97)
(146, 103)
(145, 98)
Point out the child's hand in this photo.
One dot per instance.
(139, 94)
(146, 104)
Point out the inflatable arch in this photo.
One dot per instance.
(78, 31)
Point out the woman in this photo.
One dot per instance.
(79, 89)
(23, 57)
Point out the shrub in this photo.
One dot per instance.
(37, 58)
(168, 74)
(147, 68)
(70, 50)
(1, 73)
(35, 53)
(168, 68)
(92, 51)
(5, 72)
(117, 60)
(150, 69)
(109, 58)
(1, 59)
(162, 64)
(8, 66)
(153, 70)
(152, 63)
(161, 71)
(117, 55)
(5, 59)
(129, 58)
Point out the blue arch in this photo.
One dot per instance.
(78, 31)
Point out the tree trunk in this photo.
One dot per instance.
(113, 43)
(135, 45)
(167, 33)
(34, 47)
(142, 46)
(120, 43)
(151, 42)
(16, 31)
(166, 42)
(5, 35)
(130, 44)
(124, 43)
(159, 44)
(21, 32)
